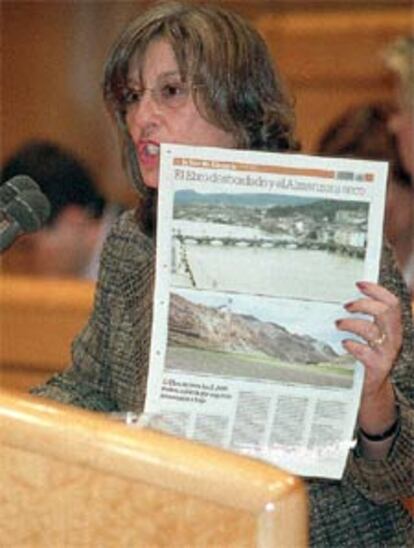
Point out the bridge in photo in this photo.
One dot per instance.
(268, 242)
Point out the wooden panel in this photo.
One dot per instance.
(333, 58)
(72, 478)
(59, 98)
(21, 378)
(329, 51)
(39, 318)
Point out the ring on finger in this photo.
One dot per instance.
(375, 343)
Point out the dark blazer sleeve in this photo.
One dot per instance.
(100, 350)
(393, 477)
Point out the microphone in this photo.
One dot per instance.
(11, 188)
(26, 212)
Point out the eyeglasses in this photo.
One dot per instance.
(170, 95)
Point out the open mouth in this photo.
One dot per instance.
(152, 149)
(148, 150)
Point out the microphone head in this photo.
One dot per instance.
(11, 188)
(30, 209)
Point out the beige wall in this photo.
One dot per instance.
(53, 54)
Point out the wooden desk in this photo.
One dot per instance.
(74, 478)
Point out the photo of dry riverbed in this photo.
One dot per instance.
(250, 337)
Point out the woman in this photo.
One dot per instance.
(202, 76)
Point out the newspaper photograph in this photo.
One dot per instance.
(257, 253)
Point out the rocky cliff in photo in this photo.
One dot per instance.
(200, 326)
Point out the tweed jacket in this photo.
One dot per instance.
(109, 373)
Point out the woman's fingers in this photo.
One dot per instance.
(361, 351)
(377, 292)
(384, 309)
(366, 329)
(379, 332)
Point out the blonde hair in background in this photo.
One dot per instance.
(399, 57)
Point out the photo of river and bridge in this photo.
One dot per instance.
(266, 244)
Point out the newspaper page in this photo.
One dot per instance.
(257, 253)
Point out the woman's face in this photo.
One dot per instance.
(167, 116)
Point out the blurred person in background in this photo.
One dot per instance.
(364, 131)
(399, 58)
(70, 243)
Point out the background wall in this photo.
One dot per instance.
(53, 53)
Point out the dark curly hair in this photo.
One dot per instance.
(61, 175)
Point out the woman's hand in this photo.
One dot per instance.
(381, 334)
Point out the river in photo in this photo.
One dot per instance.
(279, 271)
